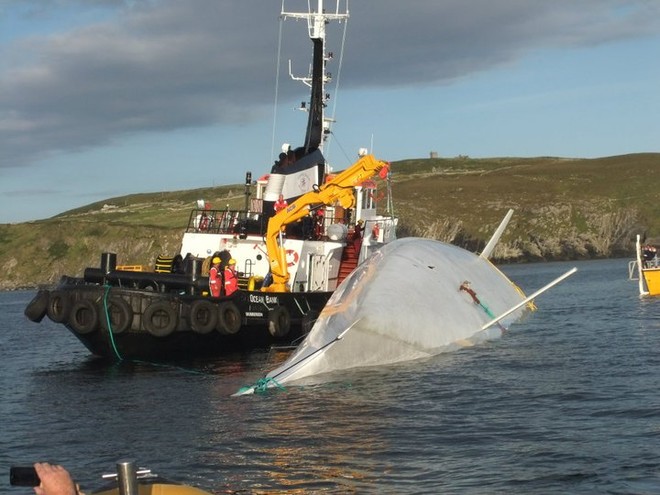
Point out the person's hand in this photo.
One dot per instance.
(55, 480)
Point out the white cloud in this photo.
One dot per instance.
(163, 65)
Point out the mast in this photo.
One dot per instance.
(317, 125)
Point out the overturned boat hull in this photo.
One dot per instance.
(413, 299)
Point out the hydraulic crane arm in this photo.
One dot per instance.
(338, 190)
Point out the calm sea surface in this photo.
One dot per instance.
(568, 401)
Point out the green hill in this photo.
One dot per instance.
(564, 209)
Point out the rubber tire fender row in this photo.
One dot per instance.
(279, 321)
(84, 316)
(36, 309)
(59, 306)
(229, 318)
(159, 319)
(120, 313)
(203, 316)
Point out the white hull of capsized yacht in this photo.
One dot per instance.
(405, 303)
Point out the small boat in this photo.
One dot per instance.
(127, 480)
(288, 260)
(645, 268)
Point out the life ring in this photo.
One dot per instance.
(59, 306)
(84, 316)
(119, 312)
(159, 319)
(229, 318)
(36, 309)
(375, 232)
(279, 321)
(203, 316)
(291, 257)
(308, 320)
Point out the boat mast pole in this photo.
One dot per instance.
(317, 126)
(640, 268)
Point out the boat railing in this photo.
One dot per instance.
(243, 223)
(652, 263)
(226, 222)
(632, 270)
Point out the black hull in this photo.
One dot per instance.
(120, 323)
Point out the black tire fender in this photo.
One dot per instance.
(36, 309)
(84, 316)
(119, 312)
(59, 306)
(229, 318)
(279, 321)
(159, 319)
(203, 316)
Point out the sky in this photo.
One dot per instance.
(104, 98)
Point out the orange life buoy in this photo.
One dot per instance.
(292, 257)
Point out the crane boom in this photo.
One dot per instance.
(339, 190)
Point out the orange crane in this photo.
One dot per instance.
(339, 190)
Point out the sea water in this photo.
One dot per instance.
(566, 401)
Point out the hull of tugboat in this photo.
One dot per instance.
(121, 323)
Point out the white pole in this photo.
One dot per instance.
(521, 304)
(640, 266)
(490, 247)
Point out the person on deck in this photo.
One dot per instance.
(215, 279)
(231, 277)
(280, 204)
(357, 235)
(319, 220)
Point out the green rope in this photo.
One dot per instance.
(261, 386)
(172, 367)
(488, 311)
(107, 319)
(466, 286)
(119, 356)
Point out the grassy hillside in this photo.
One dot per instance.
(564, 208)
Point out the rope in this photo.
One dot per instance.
(116, 351)
(107, 319)
(337, 80)
(277, 85)
(465, 286)
(262, 383)
(261, 386)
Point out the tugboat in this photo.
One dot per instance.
(304, 231)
